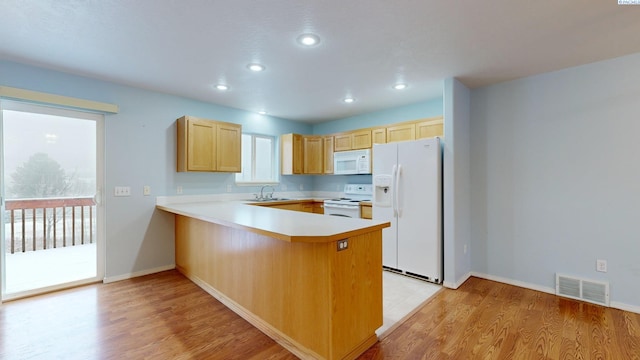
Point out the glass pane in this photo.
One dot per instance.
(48, 156)
(245, 175)
(50, 217)
(264, 159)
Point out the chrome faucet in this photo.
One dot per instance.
(262, 191)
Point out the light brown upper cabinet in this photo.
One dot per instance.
(328, 154)
(229, 139)
(352, 140)
(402, 132)
(208, 145)
(342, 142)
(379, 135)
(313, 154)
(429, 128)
(360, 139)
(291, 154)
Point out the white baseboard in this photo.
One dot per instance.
(138, 273)
(522, 284)
(457, 284)
(625, 307)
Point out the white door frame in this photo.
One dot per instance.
(99, 193)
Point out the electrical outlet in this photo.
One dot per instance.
(465, 248)
(179, 190)
(122, 191)
(301, 186)
(601, 265)
(229, 188)
(146, 190)
(283, 187)
(343, 244)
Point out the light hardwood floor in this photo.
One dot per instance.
(165, 316)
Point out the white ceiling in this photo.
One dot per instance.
(184, 47)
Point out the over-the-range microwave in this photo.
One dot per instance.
(352, 162)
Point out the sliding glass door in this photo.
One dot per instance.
(51, 216)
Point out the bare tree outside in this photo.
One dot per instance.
(39, 177)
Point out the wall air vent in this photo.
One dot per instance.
(595, 292)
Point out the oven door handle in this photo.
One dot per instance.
(338, 206)
(347, 216)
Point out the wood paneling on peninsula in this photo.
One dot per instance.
(284, 273)
(314, 300)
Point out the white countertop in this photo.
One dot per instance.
(293, 226)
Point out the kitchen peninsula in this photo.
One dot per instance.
(311, 282)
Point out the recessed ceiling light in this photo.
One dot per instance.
(349, 100)
(255, 67)
(262, 112)
(400, 86)
(308, 39)
(222, 87)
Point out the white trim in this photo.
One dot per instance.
(59, 100)
(549, 290)
(457, 284)
(132, 275)
(101, 209)
(3, 288)
(625, 307)
(522, 284)
(49, 289)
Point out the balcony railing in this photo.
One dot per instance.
(39, 224)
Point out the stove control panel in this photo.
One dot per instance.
(358, 189)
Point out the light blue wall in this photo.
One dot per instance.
(556, 179)
(141, 150)
(456, 183)
(415, 111)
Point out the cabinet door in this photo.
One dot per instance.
(291, 154)
(313, 163)
(201, 145)
(401, 133)
(318, 208)
(429, 128)
(328, 154)
(306, 207)
(361, 139)
(342, 142)
(379, 136)
(365, 211)
(229, 148)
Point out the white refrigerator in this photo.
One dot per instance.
(407, 185)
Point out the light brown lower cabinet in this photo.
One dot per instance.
(366, 211)
(318, 207)
(316, 301)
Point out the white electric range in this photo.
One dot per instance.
(349, 205)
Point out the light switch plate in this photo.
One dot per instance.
(122, 191)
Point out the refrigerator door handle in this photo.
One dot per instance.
(394, 187)
(396, 194)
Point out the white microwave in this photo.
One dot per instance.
(352, 162)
